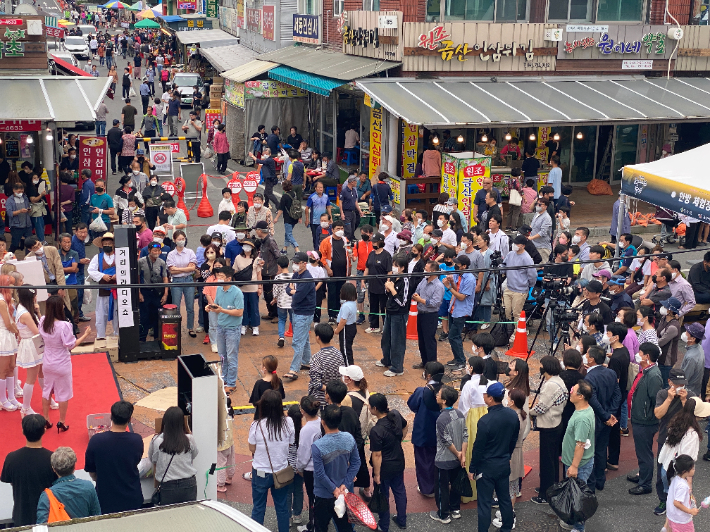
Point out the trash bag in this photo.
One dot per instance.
(462, 484)
(98, 225)
(378, 502)
(572, 500)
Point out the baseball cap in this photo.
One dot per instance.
(496, 390)
(521, 240)
(451, 201)
(695, 330)
(524, 229)
(603, 273)
(263, 225)
(386, 209)
(159, 229)
(672, 304)
(463, 260)
(154, 245)
(677, 376)
(595, 287)
(116, 121)
(300, 257)
(617, 280)
(312, 255)
(354, 372)
(140, 151)
(378, 237)
(405, 234)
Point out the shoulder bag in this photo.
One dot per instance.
(155, 498)
(281, 478)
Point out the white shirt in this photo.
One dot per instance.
(317, 272)
(227, 232)
(449, 237)
(278, 449)
(472, 395)
(226, 205)
(351, 139)
(94, 272)
(499, 242)
(679, 490)
(391, 243)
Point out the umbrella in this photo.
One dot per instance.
(147, 23)
(116, 5)
(148, 13)
(138, 6)
(63, 22)
(158, 10)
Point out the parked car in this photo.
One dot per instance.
(77, 46)
(86, 31)
(185, 82)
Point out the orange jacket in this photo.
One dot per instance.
(326, 252)
(361, 251)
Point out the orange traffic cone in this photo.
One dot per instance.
(204, 209)
(289, 333)
(412, 322)
(520, 345)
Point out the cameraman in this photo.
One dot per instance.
(520, 280)
(594, 304)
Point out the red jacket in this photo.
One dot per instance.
(361, 250)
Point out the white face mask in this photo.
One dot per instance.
(663, 311)
(340, 233)
(240, 236)
(617, 319)
(72, 156)
(440, 223)
(18, 195)
(402, 242)
(40, 251)
(247, 249)
(585, 360)
(639, 322)
(540, 208)
(35, 181)
(585, 328)
(324, 225)
(426, 238)
(638, 358)
(684, 337)
(515, 247)
(395, 269)
(674, 275)
(180, 243)
(435, 241)
(136, 172)
(210, 255)
(576, 239)
(153, 183)
(296, 268)
(158, 240)
(257, 206)
(606, 340)
(579, 348)
(384, 228)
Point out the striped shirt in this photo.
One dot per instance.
(283, 300)
(180, 259)
(325, 366)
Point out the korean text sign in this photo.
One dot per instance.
(375, 141)
(92, 156)
(306, 28)
(410, 138)
(124, 296)
(269, 17)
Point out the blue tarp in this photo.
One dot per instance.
(305, 80)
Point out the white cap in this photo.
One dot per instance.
(354, 372)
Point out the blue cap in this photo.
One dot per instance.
(673, 304)
(496, 390)
(617, 280)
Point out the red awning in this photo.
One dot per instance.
(69, 67)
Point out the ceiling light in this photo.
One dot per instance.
(29, 140)
(580, 136)
(484, 138)
(532, 136)
(508, 136)
(556, 136)
(435, 140)
(460, 139)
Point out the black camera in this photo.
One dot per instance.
(496, 259)
(558, 288)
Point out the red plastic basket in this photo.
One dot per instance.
(358, 512)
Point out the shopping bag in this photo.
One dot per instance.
(462, 484)
(378, 502)
(572, 500)
(88, 296)
(98, 225)
(132, 93)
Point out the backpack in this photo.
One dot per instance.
(500, 334)
(56, 509)
(367, 420)
(296, 209)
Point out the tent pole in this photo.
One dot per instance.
(620, 223)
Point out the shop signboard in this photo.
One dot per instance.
(212, 8)
(269, 18)
(92, 156)
(210, 116)
(161, 157)
(395, 186)
(240, 14)
(375, 34)
(375, 142)
(187, 4)
(234, 93)
(306, 28)
(272, 89)
(20, 125)
(54, 32)
(22, 43)
(462, 175)
(254, 20)
(124, 297)
(410, 138)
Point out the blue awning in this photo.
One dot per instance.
(171, 18)
(305, 80)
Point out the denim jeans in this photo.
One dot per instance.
(583, 473)
(482, 313)
(396, 484)
(251, 316)
(80, 293)
(455, 341)
(665, 374)
(177, 293)
(260, 487)
(228, 347)
(38, 223)
(283, 314)
(288, 239)
(624, 421)
(394, 341)
(295, 495)
(301, 342)
(100, 128)
(212, 331)
(86, 214)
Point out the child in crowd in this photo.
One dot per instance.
(310, 432)
(317, 271)
(484, 346)
(346, 328)
(562, 220)
(269, 380)
(564, 200)
(281, 298)
(225, 453)
(680, 506)
(325, 363)
(295, 489)
(362, 250)
(227, 204)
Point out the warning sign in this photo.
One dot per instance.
(161, 157)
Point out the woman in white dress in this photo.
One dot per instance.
(28, 358)
(473, 407)
(8, 347)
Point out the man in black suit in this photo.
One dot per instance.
(605, 400)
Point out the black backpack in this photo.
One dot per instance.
(500, 334)
(296, 209)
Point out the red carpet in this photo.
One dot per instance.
(95, 391)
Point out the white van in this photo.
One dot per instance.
(86, 30)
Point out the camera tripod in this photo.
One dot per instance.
(560, 329)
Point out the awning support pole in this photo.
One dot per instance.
(620, 223)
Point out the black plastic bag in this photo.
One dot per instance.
(378, 503)
(572, 500)
(462, 484)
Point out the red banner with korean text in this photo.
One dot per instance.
(268, 20)
(92, 156)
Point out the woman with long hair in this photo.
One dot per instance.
(8, 347)
(519, 376)
(246, 268)
(473, 407)
(59, 340)
(28, 358)
(269, 381)
(172, 453)
(275, 432)
(646, 319)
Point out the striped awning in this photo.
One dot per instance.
(304, 80)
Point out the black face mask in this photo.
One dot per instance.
(365, 238)
(654, 279)
(415, 255)
(99, 190)
(108, 249)
(448, 262)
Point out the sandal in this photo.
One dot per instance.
(229, 390)
(222, 489)
(291, 376)
(247, 476)
(192, 334)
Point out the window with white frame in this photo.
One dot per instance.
(491, 10)
(370, 5)
(338, 7)
(570, 10)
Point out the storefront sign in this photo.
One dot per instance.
(410, 138)
(395, 186)
(92, 156)
(187, 5)
(54, 32)
(254, 20)
(586, 28)
(375, 142)
(240, 14)
(361, 37)
(438, 39)
(161, 157)
(306, 28)
(637, 64)
(124, 297)
(375, 34)
(463, 176)
(20, 125)
(615, 42)
(234, 93)
(269, 22)
(272, 89)
(195, 24)
(10, 22)
(12, 47)
(212, 8)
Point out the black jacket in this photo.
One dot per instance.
(495, 442)
(115, 138)
(606, 398)
(533, 252)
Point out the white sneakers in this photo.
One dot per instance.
(214, 348)
(498, 521)
(370, 330)
(244, 330)
(255, 331)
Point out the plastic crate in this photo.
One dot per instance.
(96, 423)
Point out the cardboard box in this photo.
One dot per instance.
(110, 346)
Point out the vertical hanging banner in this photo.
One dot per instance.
(375, 141)
(212, 8)
(240, 14)
(254, 20)
(210, 116)
(123, 277)
(92, 156)
(268, 15)
(410, 138)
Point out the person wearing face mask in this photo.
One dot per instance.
(581, 234)
(446, 263)
(416, 260)
(152, 270)
(102, 270)
(71, 162)
(485, 286)
(229, 307)
(335, 257)
(404, 239)
(379, 264)
(239, 220)
(694, 359)
(303, 305)
(521, 278)
(36, 192)
(268, 255)
(17, 209)
(432, 250)
(680, 288)
(390, 236)
(660, 292)
(139, 178)
(258, 213)
(448, 239)
(381, 195)
(361, 251)
(143, 234)
(123, 193)
(350, 207)
(429, 296)
(234, 248)
(152, 196)
(208, 273)
(619, 298)
(594, 305)
(425, 238)
(541, 234)
(135, 208)
(394, 332)
(181, 264)
(463, 288)
(159, 233)
(618, 361)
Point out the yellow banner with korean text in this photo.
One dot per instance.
(410, 138)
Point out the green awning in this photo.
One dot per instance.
(304, 80)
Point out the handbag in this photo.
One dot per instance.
(515, 198)
(155, 498)
(281, 478)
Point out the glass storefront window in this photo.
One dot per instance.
(433, 11)
(583, 149)
(619, 10)
(511, 10)
(625, 149)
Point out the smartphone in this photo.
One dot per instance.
(213, 306)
